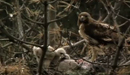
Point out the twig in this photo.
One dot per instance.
(40, 23)
(4, 39)
(7, 45)
(123, 23)
(108, 12)
(44, 49)
(12, 38)
(52, 2)
(83, 49)
(120, 41)
(127, 4)
(6, 3)
(75, 44)
(119, 48)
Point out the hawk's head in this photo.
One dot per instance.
(84, 17)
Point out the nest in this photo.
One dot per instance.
(14, 70)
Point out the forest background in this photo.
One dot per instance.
(23, 25)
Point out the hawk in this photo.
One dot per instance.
(51, 58)
(96, 32)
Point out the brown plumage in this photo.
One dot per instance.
(96, 32)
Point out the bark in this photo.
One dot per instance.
(44, 48)
(52, 26)
(19, 20)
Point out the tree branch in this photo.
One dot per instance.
(45, 48)
(12, 38)
(6, 3)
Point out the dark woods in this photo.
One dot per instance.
(64, 37)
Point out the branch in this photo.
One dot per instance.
(6, 3)
(52, 2)
(10, 43)
(4, 39)
(23, 45)
(123, 23)
(127, 4)
(19, 20)
(58, 19)
(110, 12)
(12, 38)
(119, 48)
(44, 49)
(40, 23)
(29, 19)
(122, 17)
(75, 44)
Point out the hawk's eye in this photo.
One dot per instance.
(83, 16)
(128, 42)
(61, 53)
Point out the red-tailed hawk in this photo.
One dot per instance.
(96, 32)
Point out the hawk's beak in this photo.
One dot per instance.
(82, 18)
(62, 55)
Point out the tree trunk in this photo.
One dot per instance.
(19, 20)
(52, 26)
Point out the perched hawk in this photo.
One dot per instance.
(96, 32)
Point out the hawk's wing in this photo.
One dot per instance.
(83, 35)
(105, 31)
